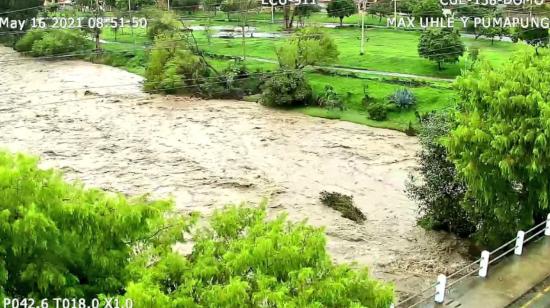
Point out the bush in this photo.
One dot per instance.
(500, 144)
(330, 99)
(377, 111)
(57, 42)
(403, 98)
(235, 82)
(26, 42)
(343, 204)
(286, 89)
(411, 130)
(439, 192)
(173, 67)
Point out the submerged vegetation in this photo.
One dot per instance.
(343, 204)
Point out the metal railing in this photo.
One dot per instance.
(481, 266)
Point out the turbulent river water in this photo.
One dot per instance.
(209, 153)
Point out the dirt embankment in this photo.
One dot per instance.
(209, 153)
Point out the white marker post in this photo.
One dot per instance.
(547, 231)
(484, 263)
(440, 289)
(519, 243)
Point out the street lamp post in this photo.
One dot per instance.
(363, 7)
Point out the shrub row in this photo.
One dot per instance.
(52, 42)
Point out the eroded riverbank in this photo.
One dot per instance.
(209, 153)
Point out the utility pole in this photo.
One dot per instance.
(168, 2)
(129, 6)
(363, 7)
(272, 14)
(395, 12)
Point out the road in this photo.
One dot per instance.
(538, 297)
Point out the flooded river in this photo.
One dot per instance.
(209, 153)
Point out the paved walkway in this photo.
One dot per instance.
(506, 281)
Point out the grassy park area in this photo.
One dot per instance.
(386, 51)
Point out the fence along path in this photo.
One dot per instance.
(438, 292)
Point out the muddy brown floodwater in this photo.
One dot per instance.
(209, 153)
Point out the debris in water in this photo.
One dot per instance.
(343, 204)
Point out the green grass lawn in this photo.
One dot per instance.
(386, 50)
(435, 96)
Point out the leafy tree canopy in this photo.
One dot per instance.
(341, 9)
(20, 10)
(438, 190)
(61, 239)
(427, 8)
(501, 144)
(441, 45)
(307, 46)
(381, 8)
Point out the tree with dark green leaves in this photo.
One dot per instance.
(501, 144)
(18, 10)
(211, 6)
(341, 9)
(303, 11)
(427, 8)
(381, 8)
(537, 37)
(441, 45)
(493, 31)
(473, 10)
(435, 185)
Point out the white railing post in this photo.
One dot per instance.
(547, 231)
(440, 289)
(484, 263)
(519, 243)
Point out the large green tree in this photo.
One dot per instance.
(501, 146)
(441, 45)
(381, 8)
(307, 46)
(60, 239)
(435, 185)
(341, 9)
(427, 8)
